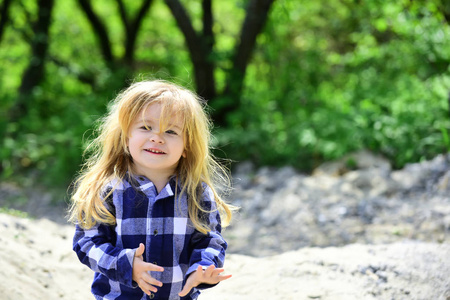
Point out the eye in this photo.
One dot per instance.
(170, 131)
(145, 128)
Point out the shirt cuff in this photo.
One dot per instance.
(125, 267)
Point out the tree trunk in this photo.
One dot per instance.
(446, 11)
(199, 45)
(255, 19)
(99, 30)
(207, 87)
(132, 28)
(34, 73)
(4, 14)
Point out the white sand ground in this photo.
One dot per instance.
(36, 262)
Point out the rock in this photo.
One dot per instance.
(283, 210)
(369, 233)
(363, 159)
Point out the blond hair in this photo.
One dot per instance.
(110, 158)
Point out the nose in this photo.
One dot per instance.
(156, 138)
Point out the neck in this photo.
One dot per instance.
(160, 184)
(159, 179)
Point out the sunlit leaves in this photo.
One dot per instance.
(326, 78)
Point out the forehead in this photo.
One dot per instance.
(157, 113)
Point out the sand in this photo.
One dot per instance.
(37, 262)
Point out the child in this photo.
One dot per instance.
(147, 212)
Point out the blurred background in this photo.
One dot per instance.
(289, 82)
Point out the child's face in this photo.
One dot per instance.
(155, 152)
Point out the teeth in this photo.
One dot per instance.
(155, 151)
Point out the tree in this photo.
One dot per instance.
(4, 14)
(256, 16)
(199, 44)
(131, 27)
(34, 73)
(201, 49)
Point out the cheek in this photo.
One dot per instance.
(126, 138)
(185, 146)
(127, 146)
(183, 143)
(132, 145)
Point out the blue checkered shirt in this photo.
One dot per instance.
(162, 224)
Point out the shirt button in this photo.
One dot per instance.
(155, 232)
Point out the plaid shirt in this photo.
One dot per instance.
(163, 226)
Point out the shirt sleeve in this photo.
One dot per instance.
(95, 248)
(208, 249)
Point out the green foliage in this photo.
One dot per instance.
(14, 212)
(330, 79)
(326, 78)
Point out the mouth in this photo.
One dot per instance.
(154, 151)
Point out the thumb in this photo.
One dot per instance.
(140, 250)
(190, 282)
(187, 287)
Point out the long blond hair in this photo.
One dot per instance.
(109, 157)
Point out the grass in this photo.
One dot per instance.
(14, 212)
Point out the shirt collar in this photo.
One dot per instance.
(145, 185)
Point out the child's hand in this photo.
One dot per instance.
(210, 276)
(140, 272)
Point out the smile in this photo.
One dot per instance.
(155, 151)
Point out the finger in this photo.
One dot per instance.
(217, 271)
(185, 290)
(153, 268)
(209, 271)
(146, 287)
(140, 250)
(189, 282)
(223, 277)
(150, 280)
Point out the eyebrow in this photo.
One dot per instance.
(149, 121)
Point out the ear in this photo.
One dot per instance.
(184, 154)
